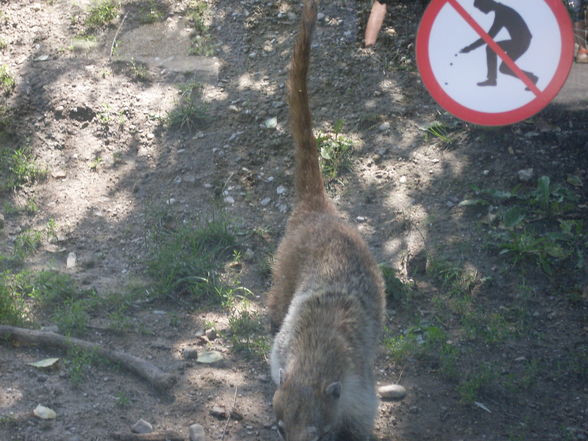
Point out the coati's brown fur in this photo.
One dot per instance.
(327, 298)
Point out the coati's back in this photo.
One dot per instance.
(327, 298)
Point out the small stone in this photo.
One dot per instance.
(271, 123)
(71, 260)
(526, 174)
(196, 432)
(229, 200)
(265, 201)
(384, 126)
(281, 189)
(59, 174)
(402, 179)
(219, 412)
(320, 16)
(142, 426)
(392, 392)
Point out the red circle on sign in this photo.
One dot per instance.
(490, 118)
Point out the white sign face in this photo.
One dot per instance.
(494, 62)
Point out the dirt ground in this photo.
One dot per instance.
(111, 162)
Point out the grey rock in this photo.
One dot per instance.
(525, 175)
(271, 123)
(71, 260)
(384, 126)
(392, 392)
(196, 432)
(142, 426)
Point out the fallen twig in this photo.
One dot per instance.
(230, 413)
(116, 35)
(149, 372)
(153, 436)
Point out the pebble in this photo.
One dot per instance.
(392, 392)
(71, 260)
(59, 174)
(142, 426)
(219, 412)
(229, 200)
(281, 189)
(384, 126)
(196, 432)
(525, 175)
(265, 201)
(271, 123)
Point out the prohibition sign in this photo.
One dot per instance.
(454, 76)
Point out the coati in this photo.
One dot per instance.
(327, 298)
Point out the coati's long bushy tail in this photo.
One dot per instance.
(309, 182)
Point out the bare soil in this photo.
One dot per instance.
(111, 162)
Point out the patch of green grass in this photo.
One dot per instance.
(13, 291)
(27, 243)
(151, 11)
(197, 12)
(3, 44)
(187, 261)
(95, 163)
(247, 333)
(122, 400)
(334, 151)
(102, 13)
(79, 362)
(440, 131)
(544, 226)
(139, 71)
(17, 168)
(7, 83)
(190, 112)
(72, 317)
(476, 383)
(396, 290)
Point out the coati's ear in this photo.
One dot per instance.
(333, 390)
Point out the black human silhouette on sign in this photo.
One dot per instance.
(520, 39)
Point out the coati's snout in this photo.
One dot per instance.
(299, 421)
